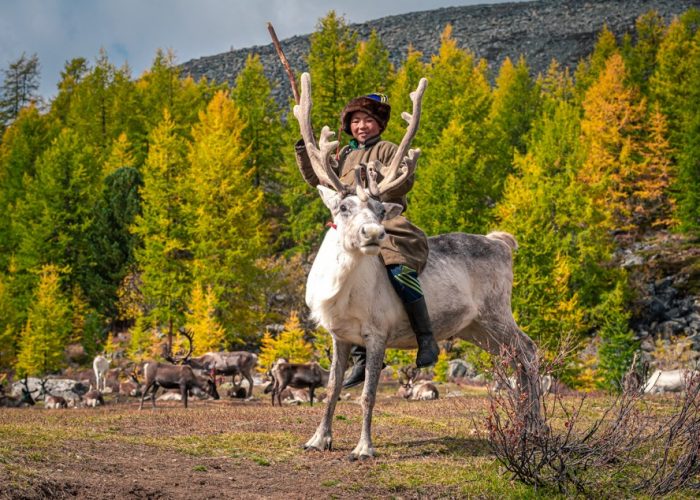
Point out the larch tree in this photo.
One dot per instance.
(404, 82)
(8, 325)
(19, 87)
(52, 219)
(610, 128)
(332, 57)
(47, 329)
(515, 104)
(640, 53)
(288, 344)
(207, 334)
(165, 259)
(228, 231)
(22, 143)
(589, 70)
(373, 71)
(262, 133)
(450, 73)
(446, 195)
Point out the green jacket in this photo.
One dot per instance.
(406, 244)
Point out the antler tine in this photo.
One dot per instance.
(320, 158)
(403, 158)
(359, 188)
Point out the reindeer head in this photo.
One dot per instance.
(359, 221)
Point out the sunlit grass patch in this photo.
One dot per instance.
(262, 448)
(441, 477)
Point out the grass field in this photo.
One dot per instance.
(249, 449)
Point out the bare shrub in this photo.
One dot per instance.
(575, 452)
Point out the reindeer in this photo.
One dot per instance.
(25, 399)
(467, 279)
(130, 387)
(51, 401)
(423, 390)
(228, 363)
(101, 366)
(297, 376)
(93, 398)
(175, 376)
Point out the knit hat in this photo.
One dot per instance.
(375, 105)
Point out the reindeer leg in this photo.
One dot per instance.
(279, 390)
(376, 344)
(153, 395)
(323, 437)
(143, 395)
(183, 394)
(311, 395)
(249, 378)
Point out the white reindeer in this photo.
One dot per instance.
(669, 381)
(101, 365)
(467, 280)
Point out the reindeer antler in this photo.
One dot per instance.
(404, 161)
(321, 156)
(181, 359)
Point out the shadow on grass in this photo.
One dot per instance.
(444, 447)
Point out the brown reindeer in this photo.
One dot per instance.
(234, 363)
(51, 401)
(25, 399)
(93, 398)
(130, 387)
(175, 376)
(298, 376)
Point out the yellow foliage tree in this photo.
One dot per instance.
(610, 127)
(207, 334)
(289, 344)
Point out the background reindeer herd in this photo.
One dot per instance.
(201, 377)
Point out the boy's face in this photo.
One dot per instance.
(363, 126)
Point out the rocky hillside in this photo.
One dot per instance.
(543, 30)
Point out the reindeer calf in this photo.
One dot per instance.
(422, 391)
(93, 398)
(298, 376)
(174, 377)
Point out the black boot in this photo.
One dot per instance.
(428, 349)
(357, 375)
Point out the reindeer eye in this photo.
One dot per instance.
(343, 207)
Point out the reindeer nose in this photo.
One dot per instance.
(373, 232)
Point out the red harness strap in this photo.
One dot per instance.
(330, 223)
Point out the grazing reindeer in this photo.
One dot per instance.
(227, 363)
(180, 377)
(93, 398)
(175, 376)
(296, 375)
(467, 279)
(101, 366)
(51, 401)
(423, 390)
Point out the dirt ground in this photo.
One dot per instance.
(245, 449)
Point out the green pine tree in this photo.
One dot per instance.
(617, 341)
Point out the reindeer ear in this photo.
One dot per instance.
(391, 210)
(330, 197)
